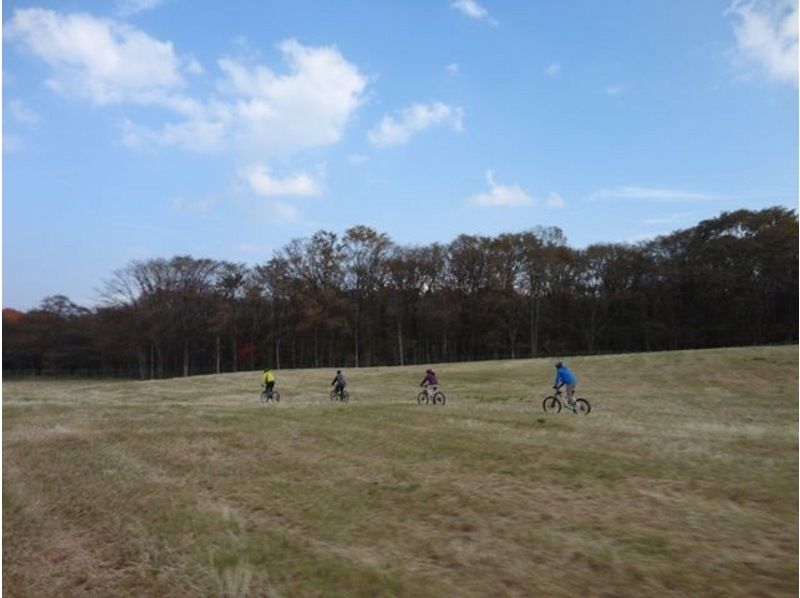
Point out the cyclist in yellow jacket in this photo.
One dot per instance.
(269, 381)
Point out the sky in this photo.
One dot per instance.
(138, 129)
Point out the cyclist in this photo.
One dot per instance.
(339, 382)
(430, 382)
(564, 377)
(269, 381)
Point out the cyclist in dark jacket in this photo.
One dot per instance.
(339, 381)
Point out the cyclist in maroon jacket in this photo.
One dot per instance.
(430, 382)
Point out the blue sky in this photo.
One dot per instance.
(135, 129)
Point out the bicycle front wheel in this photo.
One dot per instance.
(345, 396)
(439, 398)
(582, 407)
(551, 405)
(264, 397)
(276, 395)
(422, 398)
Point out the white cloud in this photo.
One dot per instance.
(473, 10)
(766, 34)
(553, 69)
(653, 194)
(615, 89)
(453, 68)
(264, 114)
(297, 184)
(509, 196)
(308, 107)
(101, 60)
(128, 8)
(22, 114)
(512, 196)
(398, 128)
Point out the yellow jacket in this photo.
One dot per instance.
(269, 376)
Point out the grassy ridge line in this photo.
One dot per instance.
(605, 377)
(685, 472)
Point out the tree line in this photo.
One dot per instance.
(359, 299)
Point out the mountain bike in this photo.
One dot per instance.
(431, 398)
(269, 395)
(340, 395)
(552, 404)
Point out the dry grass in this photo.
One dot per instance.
(682, 482)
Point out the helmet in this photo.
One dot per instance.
(428, 371)
(559, 365)
(338, 371)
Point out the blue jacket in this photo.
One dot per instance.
(564, 376)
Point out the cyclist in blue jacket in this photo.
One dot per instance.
(564, 377)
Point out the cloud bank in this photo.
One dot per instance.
(256, 110)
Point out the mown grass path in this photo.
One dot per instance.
(683, 481)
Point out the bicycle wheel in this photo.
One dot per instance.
(264, 397)
(439, 398)
(582, 407)
(422, 398)
(276, 395)
(333, 395)
(345, 396)
(551, 405)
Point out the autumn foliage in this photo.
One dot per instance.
(358, 299)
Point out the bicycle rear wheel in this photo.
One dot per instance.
(582, 407)
(439, 398)
(345, 396)
(422, 398)
(551, 405)
(264, 398)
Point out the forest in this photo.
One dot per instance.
(359, 299)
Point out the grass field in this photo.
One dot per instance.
(683, 481)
